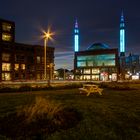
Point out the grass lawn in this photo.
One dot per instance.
(113, 116)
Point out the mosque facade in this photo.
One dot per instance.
(101, 63)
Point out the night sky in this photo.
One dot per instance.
(98, 22)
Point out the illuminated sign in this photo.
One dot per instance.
(76, 38)
(122, 34)
(76, 43)
(122, 40)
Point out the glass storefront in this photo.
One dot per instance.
(86, 71)
(114, 77)
(85, 77)
(97, 74)
(95, 71)
(104, 76)
(96, 60)
(95, 77)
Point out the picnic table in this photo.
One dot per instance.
(90, 88)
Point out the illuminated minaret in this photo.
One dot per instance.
(76, 37)
(122, 36)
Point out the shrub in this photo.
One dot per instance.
(25, 88)
(42, 107)
(43, 117)
(68, 86)
(34, 87)
(117, 86)
(7, 89)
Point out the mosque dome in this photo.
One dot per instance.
(98, 46)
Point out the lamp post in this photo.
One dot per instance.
(47, 35)
(45, 45)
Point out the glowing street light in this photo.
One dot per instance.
(47, 35)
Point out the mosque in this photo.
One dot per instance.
(99, 62)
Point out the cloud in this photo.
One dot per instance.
(64, 60)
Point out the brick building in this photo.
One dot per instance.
(21, 62)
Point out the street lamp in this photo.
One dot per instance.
(47, 35)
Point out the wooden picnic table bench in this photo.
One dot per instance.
(91, 88)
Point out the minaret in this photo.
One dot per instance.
(76, 37)
(122, 36)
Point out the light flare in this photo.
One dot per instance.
(48, 35)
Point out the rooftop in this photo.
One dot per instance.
(98, 46)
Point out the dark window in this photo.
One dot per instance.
(16, 75)
(5, 56)
(30, 59)
(19, 58)
(22, 75)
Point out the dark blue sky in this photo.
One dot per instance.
(98, 22)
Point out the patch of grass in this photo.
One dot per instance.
(38, 119)
(112, 116)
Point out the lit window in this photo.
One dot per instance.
(23, 66)
(81, 63)
(38, 76)
(6, 66)
(86, 77)
(89, 63)
(16, 67)
(6, 37)
(95, 71)
(96, 60)
(86, 71)
(5, 57)
(6, 27)
(6, 76)
(95, 77)
(38, 59)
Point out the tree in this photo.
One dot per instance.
(61, 72)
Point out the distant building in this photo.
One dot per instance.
(98, 63)
(64, 74)
(21, 62)
(130, 67)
